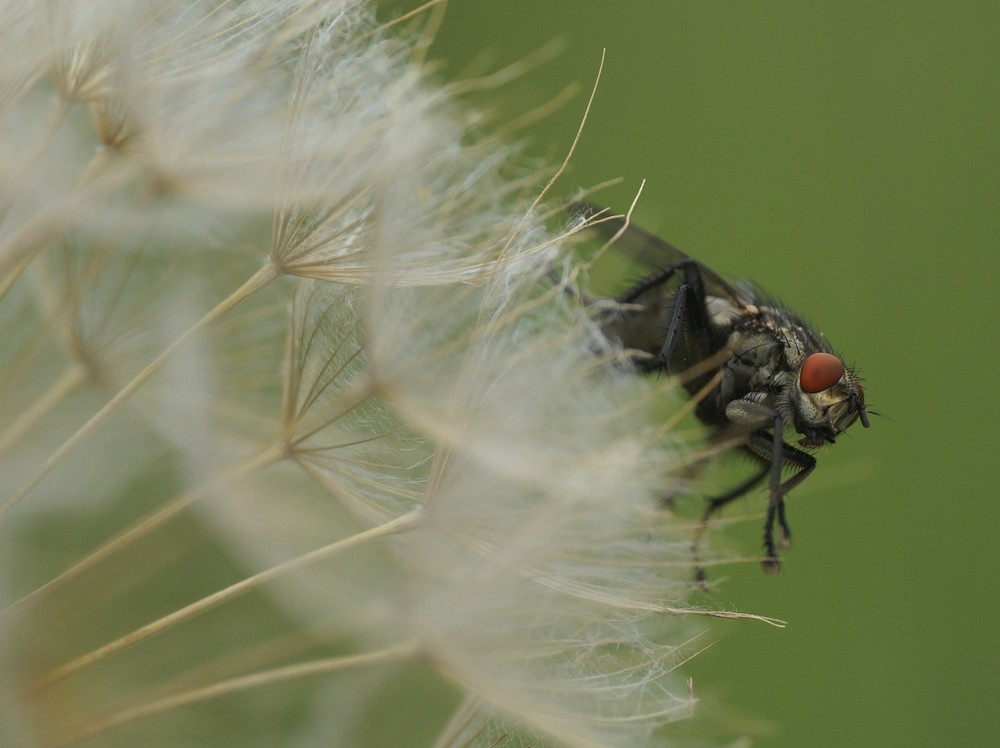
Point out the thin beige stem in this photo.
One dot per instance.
(398, 525)
(523, 122)
(429, 33)
(576, 139)
(458, 726)
(689, 406)
(325, 666)
(14, 273)
(144, 526)
(20, 247)
(611, 599)
(65, 385)
(257, 281)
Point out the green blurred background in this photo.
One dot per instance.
(845, 155)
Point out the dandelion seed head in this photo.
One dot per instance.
(413, 442)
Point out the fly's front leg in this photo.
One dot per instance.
(766, 445)
(753, 412)
(805, 463)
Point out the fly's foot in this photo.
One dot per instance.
(775, 510)
(700, 576)
(786, 532)
(700, 579)
(786, 538)
(771, 565)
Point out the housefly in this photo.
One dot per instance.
(760, 371)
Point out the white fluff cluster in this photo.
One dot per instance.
(299, 442)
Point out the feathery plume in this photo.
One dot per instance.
(398, 456)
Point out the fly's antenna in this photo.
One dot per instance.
(862, 411)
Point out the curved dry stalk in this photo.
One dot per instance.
(29, 160)
(613, 600)
(539, 113)
(13, 274)
(576, 139)
(393, 527)
(471, 80)
(436, 10)
(392, 653)
(144, 526)
(68, 382)
(61, 300)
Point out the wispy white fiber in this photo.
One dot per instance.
(294, 416)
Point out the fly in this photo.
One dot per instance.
(765, 370)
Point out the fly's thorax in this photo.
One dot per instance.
(758, 359)
(724, 312)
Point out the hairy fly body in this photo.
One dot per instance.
(761, 371)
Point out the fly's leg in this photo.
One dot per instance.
(753, 412)
(693, 310)
(776, 500)
(786, 455)
(715, 505)
(786, 532)
(662, 361)
(771, 564)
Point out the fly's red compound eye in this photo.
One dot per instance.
(820, 372)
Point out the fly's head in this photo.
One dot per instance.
(827, 398)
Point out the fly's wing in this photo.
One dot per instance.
(651, 252)
(647, 308)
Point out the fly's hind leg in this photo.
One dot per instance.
(767, 445)
(688, 304)
(715, 505)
